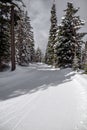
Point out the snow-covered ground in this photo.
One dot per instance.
(43, 98)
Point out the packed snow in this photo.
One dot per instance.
(40, 97)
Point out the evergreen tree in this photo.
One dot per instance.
(5, 35)
(50, 54)
(70, 39)
(24, 40)
(38, 55)
(30, 38)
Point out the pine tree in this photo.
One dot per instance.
(38, 55)
(70, 39)
(24, 40)
(5, 34)
(30, 38)
(50, 54)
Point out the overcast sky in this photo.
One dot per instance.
(39, 12)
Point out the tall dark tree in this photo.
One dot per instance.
(70, 39)
(4, 33)
(7, 17)
(49, 56)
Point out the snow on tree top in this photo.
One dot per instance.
(63, 18)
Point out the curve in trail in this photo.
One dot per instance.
(70, 108)
(61, 106)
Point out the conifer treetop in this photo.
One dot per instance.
(70, 38)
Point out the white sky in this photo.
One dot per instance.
(39, 12)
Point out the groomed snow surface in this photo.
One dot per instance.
(40, 97)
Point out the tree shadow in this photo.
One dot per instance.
(31, 82)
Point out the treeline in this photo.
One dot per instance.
(66, 47)
(16, 35)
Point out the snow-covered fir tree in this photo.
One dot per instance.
(69, 38)
(4, 33)
(5, 23)
(20, 37)
(24, 40)
(29, 38)
(38, 55)
(50, 54)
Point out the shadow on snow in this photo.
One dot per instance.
(33, 81)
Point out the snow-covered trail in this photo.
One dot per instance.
(42, 98)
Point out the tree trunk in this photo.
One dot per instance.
(13, 66)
